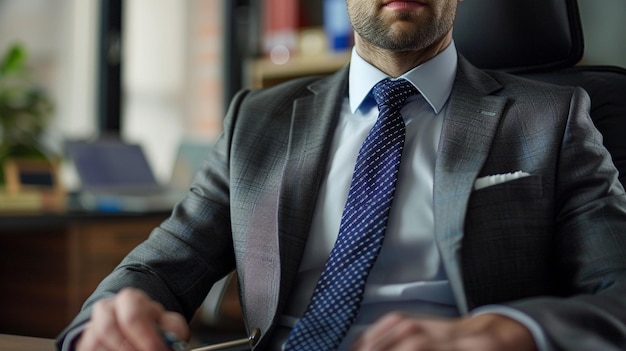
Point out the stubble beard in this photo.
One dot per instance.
(378, 32)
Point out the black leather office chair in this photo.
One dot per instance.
(543, 40)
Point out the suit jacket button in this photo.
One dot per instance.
(255, 336)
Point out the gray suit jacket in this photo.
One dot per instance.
(552, 245)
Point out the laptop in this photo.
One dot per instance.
(115, 176)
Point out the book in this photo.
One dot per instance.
(280, 29)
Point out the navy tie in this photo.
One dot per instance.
(339, 291)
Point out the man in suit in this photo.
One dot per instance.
(507, 230)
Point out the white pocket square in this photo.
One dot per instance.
(495, 179)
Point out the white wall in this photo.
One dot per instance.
(154, 56)
(76, 87)
(173, 76)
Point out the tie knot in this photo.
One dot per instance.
(393, 93)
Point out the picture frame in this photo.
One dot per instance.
(24, 174)
(31, 184)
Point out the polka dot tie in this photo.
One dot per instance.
(339, 291)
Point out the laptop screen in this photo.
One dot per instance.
(110, 165)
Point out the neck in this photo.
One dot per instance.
(396, 63)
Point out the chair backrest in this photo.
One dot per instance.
(519, 36)
(543, 40)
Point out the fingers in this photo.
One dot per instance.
(497, 332)
(137, 317)
(175, 323)
(487, 332)
(395, 332)
(130, 321)
(103, 332)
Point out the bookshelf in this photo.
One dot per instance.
(307, 48)
(264, 73)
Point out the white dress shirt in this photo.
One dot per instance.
(408, 274)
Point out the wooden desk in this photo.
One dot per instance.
(50, 263)
(25, 343)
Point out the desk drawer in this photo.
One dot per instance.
(97, 248)
(49, 269)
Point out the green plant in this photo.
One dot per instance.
(25, 109)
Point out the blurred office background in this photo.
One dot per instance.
(177, 67)
(171, 68)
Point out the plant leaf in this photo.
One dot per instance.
(14, 60)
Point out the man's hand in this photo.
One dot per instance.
(487, 332)
(129, 322)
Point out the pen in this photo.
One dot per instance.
(172, 341)
(177, 345)
(224, 345)
(250, 340)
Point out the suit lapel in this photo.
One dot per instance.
(313, 122)
(469, 126)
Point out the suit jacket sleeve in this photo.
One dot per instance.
(195, 239)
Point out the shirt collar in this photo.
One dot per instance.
(433, 78)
